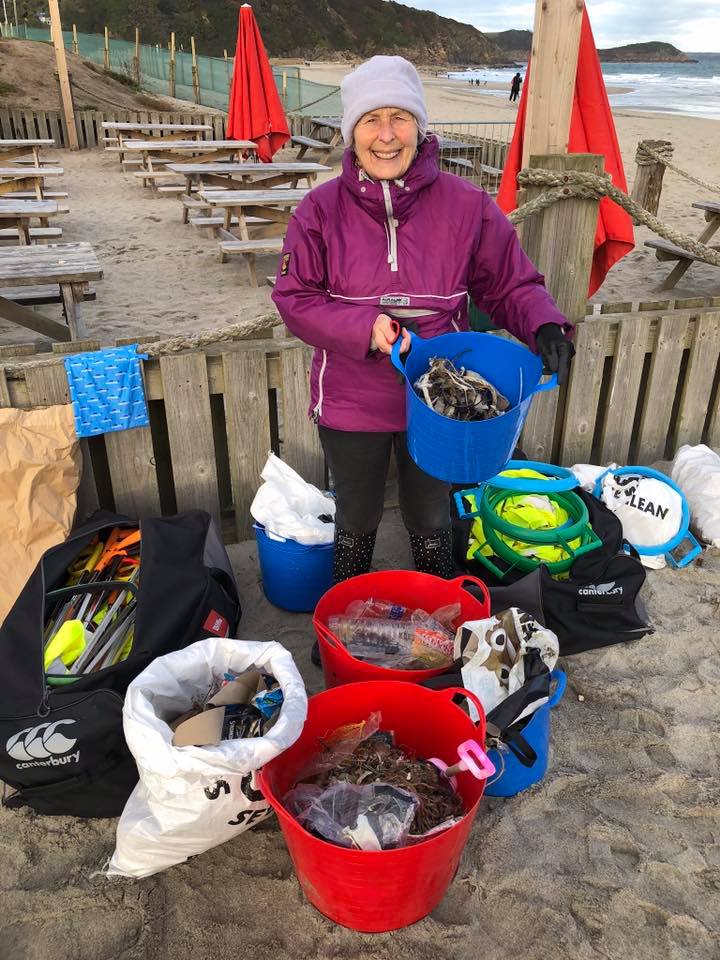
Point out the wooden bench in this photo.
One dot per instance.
(36, 233)
(459, 162)
(248, 249)
(307, 143)
(31, 195)
(684, 259)
(40, 295)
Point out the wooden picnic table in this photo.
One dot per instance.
(17, 214)
(68, 266)
(273, 206)
(22, 178)
(246, 176)
(314, 141)
(157, 154)
(119, 132)
(11, 150)
(668, 251)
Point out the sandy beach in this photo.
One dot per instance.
(614, 856)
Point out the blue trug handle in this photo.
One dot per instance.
(549, 384)
(559, 677)
(395, 354)
(559, 479)
(463, 512)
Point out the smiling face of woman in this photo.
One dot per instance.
(385, 142)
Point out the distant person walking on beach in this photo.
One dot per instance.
(515, 87)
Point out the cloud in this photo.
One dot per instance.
(688, 24)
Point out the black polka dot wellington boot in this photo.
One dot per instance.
(433, 554)
(353, 556)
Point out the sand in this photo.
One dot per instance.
(615, 855)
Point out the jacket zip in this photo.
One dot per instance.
(392, 224)
(317, 410)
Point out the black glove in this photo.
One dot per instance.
(555, 350)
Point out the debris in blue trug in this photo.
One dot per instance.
(106, 390)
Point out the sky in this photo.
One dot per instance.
(688, 24)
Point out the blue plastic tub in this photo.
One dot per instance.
(469, 452)
(294, 576)
(512, 777)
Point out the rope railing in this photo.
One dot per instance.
(566, 185)
(576, 184)
(661, 151)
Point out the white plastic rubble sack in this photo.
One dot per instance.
(190, 799)
(696, 470)
(289, 507)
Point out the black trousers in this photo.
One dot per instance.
(359, 464)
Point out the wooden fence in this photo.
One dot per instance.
(21, 124)
(214, 415)
(644, 381)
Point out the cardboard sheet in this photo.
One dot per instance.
(40, 466)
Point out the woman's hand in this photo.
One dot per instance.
(384, 335)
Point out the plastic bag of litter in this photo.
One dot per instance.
(367, 816)
(190, 798)
(493, 653)
(696, 470)
(290, 508)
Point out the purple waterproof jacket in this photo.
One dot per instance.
(356, 248)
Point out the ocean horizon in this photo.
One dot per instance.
(692, 89)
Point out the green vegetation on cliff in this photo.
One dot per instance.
(292, 28)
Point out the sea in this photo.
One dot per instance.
(692, 89)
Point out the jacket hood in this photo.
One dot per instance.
(423, 171)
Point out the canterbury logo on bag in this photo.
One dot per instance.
(42, 746)
(600, 590)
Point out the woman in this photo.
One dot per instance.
(394, 238)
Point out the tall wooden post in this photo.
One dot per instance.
(65, 92)
(553, 68)
(284, 87)
(76, 49)
(560, 242)
(136, 58)
(106, 54)
(171, 65)
(195, 74)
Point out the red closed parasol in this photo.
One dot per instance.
(592, 130)
(255, 111)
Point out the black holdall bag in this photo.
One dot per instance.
(599, 604)
(62, 746)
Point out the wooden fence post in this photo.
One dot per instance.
(106, 53)
(65, 92)
(75, 48)
(648, 182)
(195, 74)
(560, 242)
(136, 58)
(171, 65)
(284, 87)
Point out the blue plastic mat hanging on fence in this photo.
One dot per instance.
(106, 390)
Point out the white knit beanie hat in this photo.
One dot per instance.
(382, 82)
